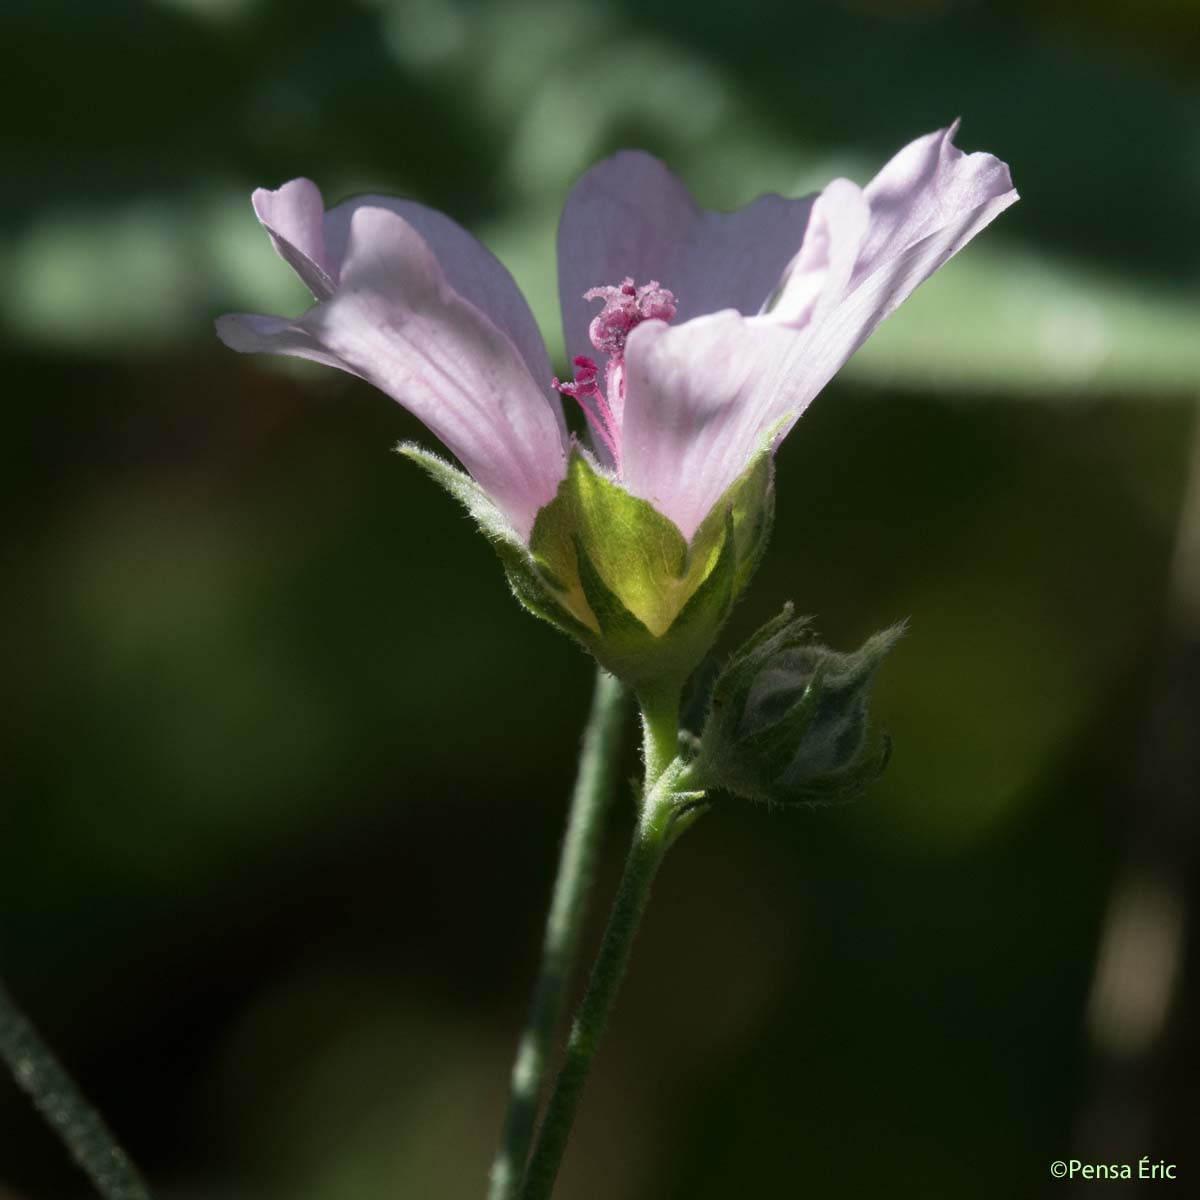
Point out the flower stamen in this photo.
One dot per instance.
(586, 390)
(626, 306)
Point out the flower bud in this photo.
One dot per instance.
(788, 719)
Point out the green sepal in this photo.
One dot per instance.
(613, 572)
(532, 591)
(652, 602)
(639, 555)
(616, 623)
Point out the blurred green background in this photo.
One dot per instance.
(287, 768)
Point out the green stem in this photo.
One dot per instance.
(56, 1096)
(660, 734)
(595, 786)
(651, 839)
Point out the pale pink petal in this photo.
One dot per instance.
(293, 215)
(251, 333)
(924, 187)
(630, 216)
(702, 397)
(396, 321)
(791, 383)
(817, 278)
(694, 409)
(470, 268)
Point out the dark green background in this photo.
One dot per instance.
(286, 767)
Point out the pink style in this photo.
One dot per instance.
(765, 305)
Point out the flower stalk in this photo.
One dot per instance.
(595, 787)
(655, 832)
(660, 736)
(57, 1097)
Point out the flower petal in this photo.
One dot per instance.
(629, 215)
(470, 268)
(790, 384)
(694, 416)
(923, 188)
(292, 215)
(250, 333)
(817, 278)
(702, 397)
(397, 322)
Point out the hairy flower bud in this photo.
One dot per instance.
(788, 720)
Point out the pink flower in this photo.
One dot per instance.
(718, 329)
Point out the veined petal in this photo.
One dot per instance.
(926, 186)
(817, 278)
(694, 416)
(313, 243)
(250, 333)
(293, 216)
(791, 382)
(630, 216)
(702, 397)
(471, 269)
(396, 321)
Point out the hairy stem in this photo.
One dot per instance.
(595, 786)
(651, 839)
(59, 1100)
(660, 735)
